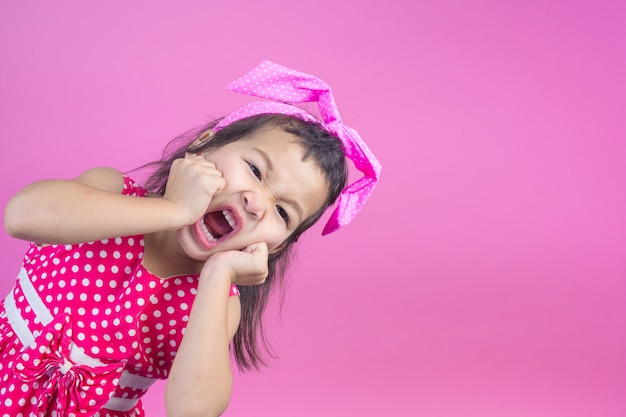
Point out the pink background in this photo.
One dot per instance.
(487, 274)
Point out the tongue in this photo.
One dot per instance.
(217, 224)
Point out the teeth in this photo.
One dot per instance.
(206, 232)
(229, 219)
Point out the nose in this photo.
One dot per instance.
(256, 202)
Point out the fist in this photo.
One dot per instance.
(246, 267)
(192, 183)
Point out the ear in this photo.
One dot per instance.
(205, 136)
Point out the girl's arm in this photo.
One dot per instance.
(91, 207)
(200, 380)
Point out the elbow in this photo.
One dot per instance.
(28, 217)
(209, 406)
(188, 410)
(16, 222)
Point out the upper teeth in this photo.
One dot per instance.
(229, 218)
(231, 221)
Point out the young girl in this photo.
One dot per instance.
(124, 284)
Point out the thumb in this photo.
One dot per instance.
(257, 249)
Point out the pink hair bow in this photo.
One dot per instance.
(287, 86)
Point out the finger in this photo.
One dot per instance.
(190, 155)
(199, 159)
(218, 183)
(195, 162)
(259, 254)
(259, 248)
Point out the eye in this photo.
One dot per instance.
(255, 170)
(282, 213)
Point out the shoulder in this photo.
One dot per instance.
(111, 180)
(104, 178)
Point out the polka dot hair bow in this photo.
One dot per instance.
(286, 86)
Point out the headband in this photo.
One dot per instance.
(287, 86)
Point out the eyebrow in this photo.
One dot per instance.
(270, 167)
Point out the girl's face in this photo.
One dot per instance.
(269, 191)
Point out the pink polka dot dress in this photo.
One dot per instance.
(86, 330)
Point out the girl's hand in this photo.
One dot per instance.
(246, 267)
(192, 183)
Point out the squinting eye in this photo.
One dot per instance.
(283, 214)
(255, 170)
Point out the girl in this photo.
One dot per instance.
(124, 284)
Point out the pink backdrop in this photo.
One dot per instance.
(486, 277)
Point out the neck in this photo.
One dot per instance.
(164, 258)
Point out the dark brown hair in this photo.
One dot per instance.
(250, 345)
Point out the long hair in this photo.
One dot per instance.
(250, 345)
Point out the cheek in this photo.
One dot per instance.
(275, 238)
(277, 247)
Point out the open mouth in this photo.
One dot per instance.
(216, 226)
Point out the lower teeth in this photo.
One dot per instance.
(206, 232)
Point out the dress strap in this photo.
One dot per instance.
(234, 291)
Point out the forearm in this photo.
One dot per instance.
(200, 380)
(67, 211)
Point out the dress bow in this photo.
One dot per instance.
(71, 383)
